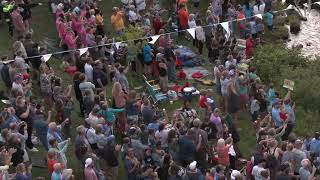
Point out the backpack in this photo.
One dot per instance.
(271, 160)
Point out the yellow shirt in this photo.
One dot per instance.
(99, 20)
(117, 21)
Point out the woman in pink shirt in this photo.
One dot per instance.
(120, 98)
(223, 153)
(61, 27)
(70, 39)
(17, 21)
(216, 120)
(89, 172)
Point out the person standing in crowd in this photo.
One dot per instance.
(117, 20)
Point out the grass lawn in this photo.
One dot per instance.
(43, 26)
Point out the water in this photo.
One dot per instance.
(309, 35)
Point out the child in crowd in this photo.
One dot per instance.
(210, 100)
(254, 108)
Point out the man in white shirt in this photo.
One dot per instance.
(88, 69)
(257, 169)
(132, 15)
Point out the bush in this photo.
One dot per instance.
(270, 61)
(295, 27)
(131, 32)
(279, 34)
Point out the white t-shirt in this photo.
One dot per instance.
(132, 16)
(258, 10)
(141, 5)
(256, 172)
(87, 86)
(17, 87)
(88, 71)
(192, 24)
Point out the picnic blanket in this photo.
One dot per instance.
(191, 70)
(187, 57)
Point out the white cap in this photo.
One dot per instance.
(88, 162)
(193, 165)
(235, 173)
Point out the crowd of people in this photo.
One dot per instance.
(127, 127)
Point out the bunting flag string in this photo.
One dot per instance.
(46, 57)
(225, 25)
(117, 44)
(83, 50)
(154, 39)
(258, 16)
(192, 32)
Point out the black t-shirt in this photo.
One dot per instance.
(99, 74)
(109, 155)
(169, 54)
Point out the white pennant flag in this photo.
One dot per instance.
(317, 2)
(154, 39)
(46, 57)
(290, 7)
(192, 32)
(83, 50)
(258, 16)
(117, 44)
(225, 26)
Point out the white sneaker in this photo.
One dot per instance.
(33, 150)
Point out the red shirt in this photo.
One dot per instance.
(202, 101)
(51, 162)
(183, 18)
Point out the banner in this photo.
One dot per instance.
(225, 26)
(192, 32)
(83, 50)
(46, 57)
(154, 39)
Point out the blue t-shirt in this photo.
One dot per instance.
(147, 51)
(269, 18)
(248, 11)
(187, 148)
(315, 146)
(276, 117)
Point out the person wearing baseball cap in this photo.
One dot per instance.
(89, 173)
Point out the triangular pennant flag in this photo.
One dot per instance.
(305, 5)
(283, 1)
(192, 32)
(317, 2)
(46, 57)
(83, 50)
(225, 26)
(258, 16)
(290, 6)
(117, 44)
(154, 39)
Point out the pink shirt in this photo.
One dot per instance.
(61, 28)
(17, 21)
(70, 41)
(89, 174)
(83, 37)
(76, 25)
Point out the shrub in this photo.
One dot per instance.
(279, 33)
(294, 27)
(270, 61)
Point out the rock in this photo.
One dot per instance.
(309, 44)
